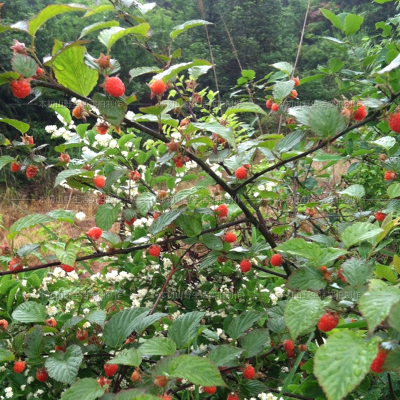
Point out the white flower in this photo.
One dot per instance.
(51, 310)
(9, 392)
(29, 380)
(24, 282)
(279, 291)
(80, 216)
(23, 387)
(176, 135)
(130, 115)
(86, 310)
(86, 325)
(274, 299)
(113, 144)
(50, 128)
(167, 262)
(285, 369)
(59, 272)
(261, 187)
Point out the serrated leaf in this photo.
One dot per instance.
(110, 36)
(245, 107)
(142, 71)
(282, 89)
(254, 342)
(164, 220)
(286, 67)
(28, 221)
(196, 370)
(149, 320)
(96, 26)
(158, 346)
(241, 323)
(289, 141)
(113, 109)
(145, 202)
(306, 278)
(325, 120)
(24, 65)
(97, 317)
(106, 215)
(84, 389)
(357, 271)
(6, 160)
(352, 23)
(185, 328)
(387, 142)
(225, 356)
(63, 111)
(26, 249)
(67, 256)
(34, 343)
(356, 190)
(30, 312)
(214, 127)
(64, 367)
(131, 357)
(393, 190)
(21, 126)
(177, 30)
(6, 355)
(358, 232)
(191, 225)
(342, 363)
(302, 313)
(7, 77)
(169, 73)
(333, 18)
(392, 361)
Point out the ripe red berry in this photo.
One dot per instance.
(134, 175)
(360, 114)
(394, 122)
(249, 372)
(19, 366)
(156, 215)
(328, 322)
(31, 171)
(241, 173)
(114, 86)
(288, 345)
(103, 381)
(222, 258)
(110, 369)
(275, 107)
(380, 216)
(68, 268)
(296, 81)
(232, 397)
(389, 175)
(99, 181)
(42, 375)
(229, 237)
(154, 250)
(179, 161)
(269, 103)
(51, 322)
(245, 266)
(82, 334)
(276, 260)
(3, 324)
(210, 389)
(20, 89)
(39, 73)
(15, 264)
(15, 167)
(222, 210)
(161, 381)
(158, 87)
(376, 365)
(135, 375)
(60, 348)
(293, 94)
(102, 128)
(291, 354)
(94, 233)
(64, 157)
(129, 223)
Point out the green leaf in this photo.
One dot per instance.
(285, 67)
(133, 394)
(131, 357)
(34, 343)
(145, 202)
(63, 111)
(67, 256)
(393, 65)
(306, 278)
(385, 272)
(28, 221)
(357, 271)
(392, 362)
(352, 24)
(153, 110)
(106, 215)
(62, 215)
(164, 220)
(335, 64)
(342, 363)
(289, 141)
(387, 142)
(67, 174)
(98, 25)
(191, 225)
(97, 317)
(149, 320)
(196, 370)
(50, 12)
(6, 355)
(375, 305)
(7, 77)
(110, 36)
(214, 127)
(393, 190)
(158, 346)
(245, 107)
(254, 342)
(30, 312)
(333, 18)
(358, 232)
(64, 367)
(169, 73)
(302, 313)
(26, 249)
(225, 356)
(177, 30)
(113, 109)
(21, 126)
(84, 389)
(185, 328)
(121, 325)
(356, 190)
(282, 89)
(241, 323)
(325, 119)
(24, 65)
(6, 160)
(142, 71)
(204, 139)
(72, 72)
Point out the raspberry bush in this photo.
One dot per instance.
(233, 265)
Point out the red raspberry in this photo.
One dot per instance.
(134, 175)
(129, 223)
(288, 345)
(232, 397)
(245, 266)
(328, 322)
(154, 250)
(222, 210)
(296, 81)
(229, 237)
(218, 138)
(95, 233)
(102, 128)
(360, 114)
(19, 366)
(82, 334)
(161, 194)
(389, 175)
(291, 354)
(156, 215)
(380, 216)
(135, 375)
(20, 89)
(166, 397)
(376, 365)
(161, 381)
(269, 103)
(15, 167)
(31, 171)
(249, 372)
(158, 87)
(179, 161)
(210, 389)
(241, 173)
(110, 369)
(99, 181)
(394, 122)
(341, 276)
(3, 324)
(51, 322)
(39, 73)
(59, 348)
(276, 260)
(114, 86)
(79, 112)
(222, 259)
(103, 381)
(101, 199)
(64, 157)
(15, 264)
(68, 268)
(275, 107)
(293, 94)
(42, 375)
